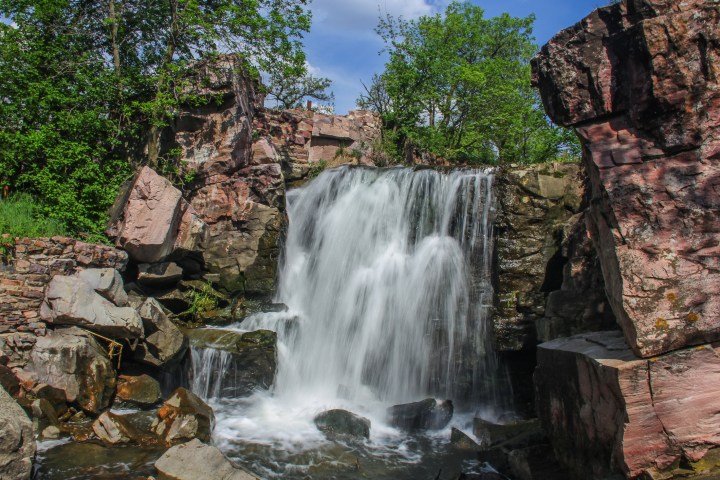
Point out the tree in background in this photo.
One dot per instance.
(289, 90)
(458, 86)
(86, 86)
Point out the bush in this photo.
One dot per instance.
(20, 216)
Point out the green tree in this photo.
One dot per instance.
(87, 86)
(289, 90)
(458, 85)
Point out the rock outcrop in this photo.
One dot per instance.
(639, 82)
(17, 441)
(608, 411)
(195, 460)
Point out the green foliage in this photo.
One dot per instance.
(289, 89)
(88, 86)
(202, 301)
(458, 86)
(317, 168)
(22, 216)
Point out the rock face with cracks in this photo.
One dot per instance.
(17, 442)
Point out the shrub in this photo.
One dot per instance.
(20, 216)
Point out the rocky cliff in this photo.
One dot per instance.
(638, 81)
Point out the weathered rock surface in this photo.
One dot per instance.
(339, 423)
(141, 390)
(159, 275)
(196, 461)
(114, 429)
(17, 441)
(82, 301)
(608, 411)
(184, 416)
(71, 360)
(428, 414)
(163, 342)
(251, 364)
(639, 82)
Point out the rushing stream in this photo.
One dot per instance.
(387, 279)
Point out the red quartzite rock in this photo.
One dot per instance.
(607, 410)
(639, 82)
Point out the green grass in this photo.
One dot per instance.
(20, 217)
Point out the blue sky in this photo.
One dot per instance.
(343, 46)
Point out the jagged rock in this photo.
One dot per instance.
(490, 434)
(608, 411)
(17, 442)
(159, 275)
(428, 414)
(639, 81)
(107, 282)
(141, 390)
(251, 366)
(184, 416)
(462, 441)
(8, 381)
(163, 343)
(196, 461)
(114, 429)
(71, 360)
(74, 301)
(341, 423)
(192, 234)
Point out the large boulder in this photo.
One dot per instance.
(17, 440)
(159, 275)
(428, 414)
(339, 423)
(195, 460)
(163, 343)
(184, 416)
(114, 429)
(142, 390)
(83, 301)
(639, 81)
(232, 364)
(608, 411)
(72, 360)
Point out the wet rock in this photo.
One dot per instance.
(184, 416)
(491, 434)
(607, 411)
(159, 275)
(428, 414)
(638, 81)
(71, 360)
(50, 433)
(74, 301)
(251, 365)
(114, 429)
(17, 442)
(142, 390)
(536, 463)
(341, 423)
(163, 343)
(196, 461)
(43, 415)
(462, 441)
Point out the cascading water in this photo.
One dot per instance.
(387, 276)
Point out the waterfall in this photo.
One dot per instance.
(388, 274)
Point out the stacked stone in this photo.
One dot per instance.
(640, 83)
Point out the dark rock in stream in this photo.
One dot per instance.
(428, 414)
(339, 423)
(142, 390)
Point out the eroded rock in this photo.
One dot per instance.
(163, 343)
(114, 429)
(17, 441)
(339, 423)
(142, 390)
(184, 416)
(196, 461)
(428, 414)
(159, 275)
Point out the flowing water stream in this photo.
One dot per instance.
(387, 277)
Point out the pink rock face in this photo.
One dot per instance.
(607, 410)
(639, 82)
(149, 222)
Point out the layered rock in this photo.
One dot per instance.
(163, 343)
(608, 411)
(17, 442)
(639, 82)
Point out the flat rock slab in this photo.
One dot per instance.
(608, 411)
(196, 461)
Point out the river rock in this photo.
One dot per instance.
(163, 343)
(142, 390)
(251, 364)
(195, 460)
(17, 441)
(462, 441)
(607, 411)
(184, 416)
(159, 275)
(71, 360)
(71, 300)
(428, 414)
(639, 81)
(339, 423)
(114, 429)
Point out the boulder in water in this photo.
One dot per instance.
(522, 432)
(339, 423)
(184, 416)
(428, 414)
(462, 441)
(196, 461)
(114, 429)
(142, 390)
(17, 442)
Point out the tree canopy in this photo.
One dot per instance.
(458, 85)
(86, 86)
